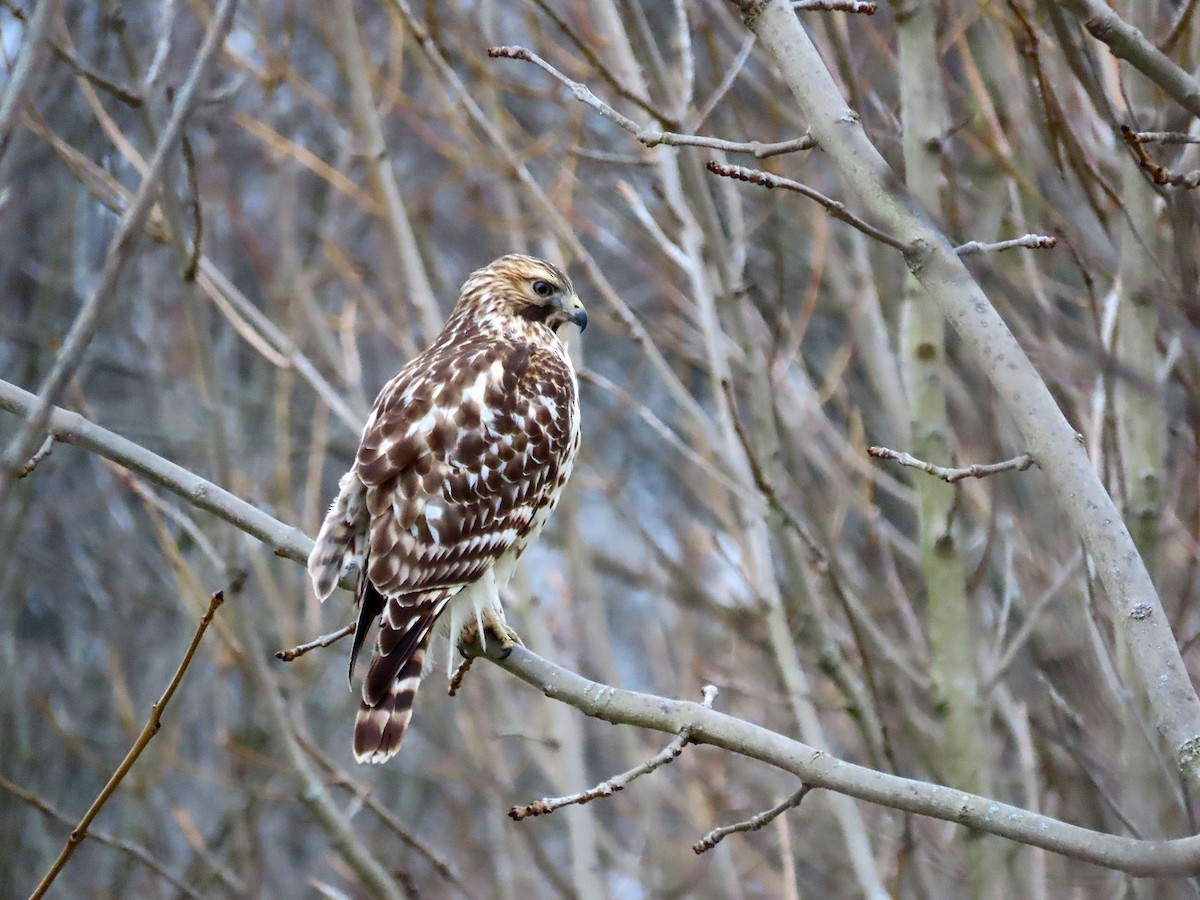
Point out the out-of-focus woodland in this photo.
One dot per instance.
(343, 167)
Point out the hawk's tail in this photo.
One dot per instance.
(395, 674)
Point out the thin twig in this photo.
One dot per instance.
(42, 453)
(588, 52)
(1030, 241)
(753, 823)
(618, 782)
(836, 209)
(651, 137)
(865, 7)
(1158, 174)
(153, 724)
(1160, 137)
(323, 641)
(953, 475)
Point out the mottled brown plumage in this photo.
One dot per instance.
(461, 462)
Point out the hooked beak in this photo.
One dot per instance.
(575, 312)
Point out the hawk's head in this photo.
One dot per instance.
(523, 287)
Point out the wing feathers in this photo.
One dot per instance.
(341, 542)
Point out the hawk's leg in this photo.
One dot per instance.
(495, 627)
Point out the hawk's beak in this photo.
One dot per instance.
(575, 312)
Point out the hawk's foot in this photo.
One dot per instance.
(495, 628)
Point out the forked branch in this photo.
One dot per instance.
(618, 782)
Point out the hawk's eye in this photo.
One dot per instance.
(543, 288)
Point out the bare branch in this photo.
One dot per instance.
(153, 724)
(953, 475)
(865, 7)
(1128, 43)
(585, 48)
(1158, 174)
(618, 782)
(324, 640)
(820, 769)
(835, 208)
(1050, 438)
(753, 823)
(72, 428)
(28, 66)
(1160, 137)
(651, 137)
(1029, 241)
(816, 768)
(42, 453)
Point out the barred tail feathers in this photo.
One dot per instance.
(342, 540)
(394, 676)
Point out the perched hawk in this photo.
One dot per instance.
(461, 462)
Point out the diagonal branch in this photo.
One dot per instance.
(153, 724)
(72, 428)
(120, 251)
(1128, 43)
(834, 207)
(820, 769)
(618, 782)
(753, 823)
(1048, 435)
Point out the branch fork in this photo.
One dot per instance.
(619, 782)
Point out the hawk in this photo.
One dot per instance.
(461, 462)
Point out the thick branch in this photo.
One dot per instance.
(818, 768)
(1129, 44)
(1047, 434)
(644, 710)
(72, 428)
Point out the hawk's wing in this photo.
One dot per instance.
(456, 459)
